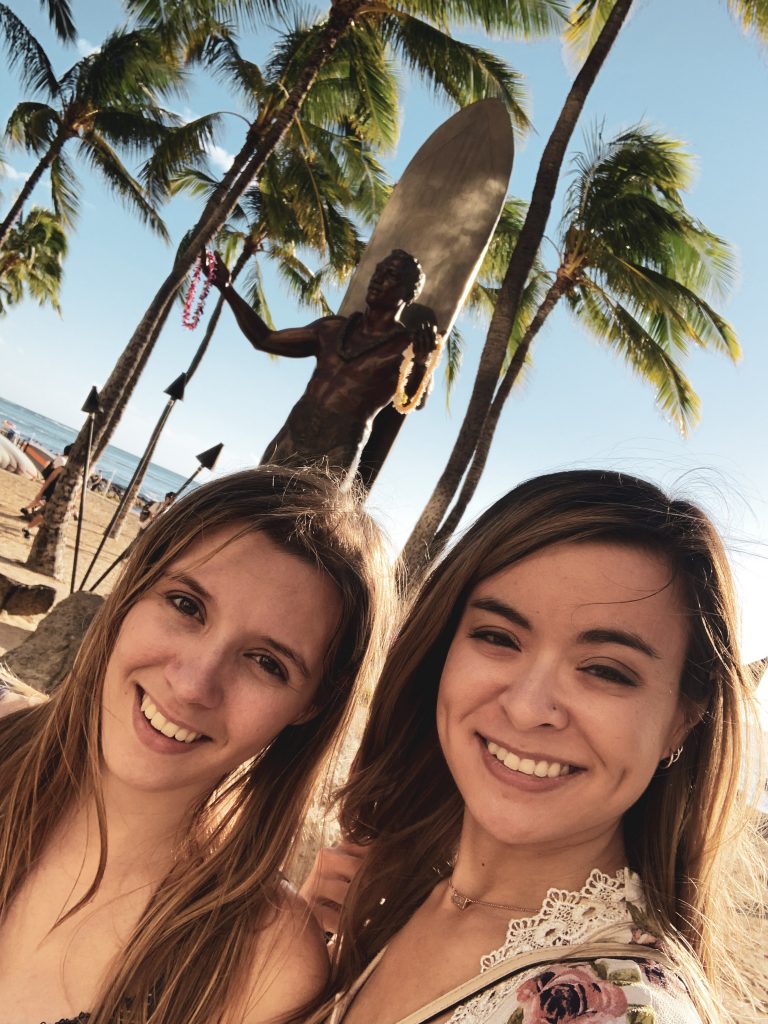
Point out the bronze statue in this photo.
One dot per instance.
(364, 362)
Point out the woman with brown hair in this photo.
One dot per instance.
(551, 785)
(148, 808)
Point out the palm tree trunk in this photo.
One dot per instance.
(261, 141)
(154, 439)
(15, 211)
(418, 549)
(559, 287)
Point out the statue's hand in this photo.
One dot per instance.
(421, 324)
(221, 275)
(424, 339)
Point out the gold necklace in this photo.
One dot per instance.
(462, 902)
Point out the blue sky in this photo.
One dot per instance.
(684, 67)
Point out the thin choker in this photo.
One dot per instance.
(462, 902)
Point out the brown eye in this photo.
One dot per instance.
(270, 665)
(496, 638)
(610, 673)
(185, 605)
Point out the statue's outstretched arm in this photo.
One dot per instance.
(296, 342)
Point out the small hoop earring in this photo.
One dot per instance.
(667, 762)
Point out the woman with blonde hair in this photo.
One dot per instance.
(148, 808)
(551, 787)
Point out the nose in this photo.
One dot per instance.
(533, 696)
(196, 675)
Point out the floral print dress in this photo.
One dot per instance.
(603, 990)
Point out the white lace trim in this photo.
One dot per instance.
(565, 918)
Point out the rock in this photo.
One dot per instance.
(47, 656)
(24, 598)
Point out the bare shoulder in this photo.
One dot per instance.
(290, 965)
(328, 327)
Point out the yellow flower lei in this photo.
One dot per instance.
(402, 402)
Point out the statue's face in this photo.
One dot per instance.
(387, 286)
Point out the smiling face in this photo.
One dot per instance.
(560, 693)
(222, 653)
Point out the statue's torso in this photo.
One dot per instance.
(357, 372)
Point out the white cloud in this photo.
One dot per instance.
(86, 49)
(6, 171)
(219, 156)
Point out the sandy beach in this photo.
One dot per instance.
(16, 491)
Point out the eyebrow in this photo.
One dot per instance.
(279, 646)
(600, 635)
(618, 636)
(506, 611)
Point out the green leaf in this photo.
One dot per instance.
(25, 53)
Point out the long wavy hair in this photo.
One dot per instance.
(691, 836)
(188, 957)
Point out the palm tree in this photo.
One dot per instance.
(634, 268)
(753, 15)
(417, 550)
(105, 100)
(415, 31)
(31, 260)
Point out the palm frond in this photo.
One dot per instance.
(526, 18)
(454, 355)
(614, 325)
(60, 16)
(303, 283)
(64, 190)
(102, 158)
(585, 24)
(229, 67)
(181, 148)
(132, 130)
(197, 183)
(752, 15)
(25, 53)
(253, 292)
(33, 126)
(131, 68)
(459, 71)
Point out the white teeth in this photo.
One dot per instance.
(163, 725)
(541, 769)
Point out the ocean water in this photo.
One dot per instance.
(115, 465)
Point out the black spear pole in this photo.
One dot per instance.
(175, 392)
(207, 460)
(91, 406)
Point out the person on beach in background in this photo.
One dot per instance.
(153, 509)
(550, 792)
(147, 810)
(34, 511)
